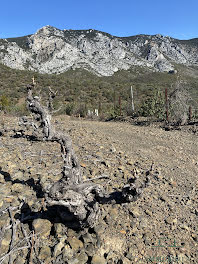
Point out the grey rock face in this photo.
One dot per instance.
(51, 50)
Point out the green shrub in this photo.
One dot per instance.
(69, 108)
(5, 103)
(153, 106)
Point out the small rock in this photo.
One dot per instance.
(195, 237)
(106, 163)
(130, 162)
(5, 243)
(2, 180)
(72, 233)
(45, 253)
(113, 212)
(148, 212)
(126, 261)
(143, 222)
(83, 165)
(81, 258)
(4, 221)
(34, 205)
(157, 175)
(163, 198)
(19, 175)
(59, 229)
(42, 226)
(88, 238)
(185, 227)
(173, 183)
(90, 250)
(68, 252)
(75, 243)
(98, 260)
(58, 248)
(9, 199)
(121, 168)
(189, 202)
(135, 212)
(17, 187)
(113, 149)
(171, 220)
(99, 228)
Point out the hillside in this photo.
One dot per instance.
(79, 90)
(51, 50)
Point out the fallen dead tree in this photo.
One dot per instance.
(80, 198)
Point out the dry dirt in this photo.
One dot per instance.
(160, 227)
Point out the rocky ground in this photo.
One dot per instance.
(160, 227)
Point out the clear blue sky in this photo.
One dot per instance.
(176, 18)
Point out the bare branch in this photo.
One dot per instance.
(14, 225)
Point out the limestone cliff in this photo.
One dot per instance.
(51, 50)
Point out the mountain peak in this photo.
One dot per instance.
(47, 30)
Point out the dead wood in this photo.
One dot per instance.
(16, 249)
(14, 225)
(13, 245)
(80, 198)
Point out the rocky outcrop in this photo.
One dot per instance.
(51, 50)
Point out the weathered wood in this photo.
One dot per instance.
(80, 198)
(71, 169)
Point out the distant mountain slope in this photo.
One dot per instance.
(51, 50)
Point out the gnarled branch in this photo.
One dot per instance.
(80, 197)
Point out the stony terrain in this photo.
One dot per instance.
(51, 50)
(160, 227)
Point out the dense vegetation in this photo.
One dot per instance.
(80, 90)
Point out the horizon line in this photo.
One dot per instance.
(88, 29)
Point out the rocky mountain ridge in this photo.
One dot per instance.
(51, 50)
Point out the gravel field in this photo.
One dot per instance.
(160, 227)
